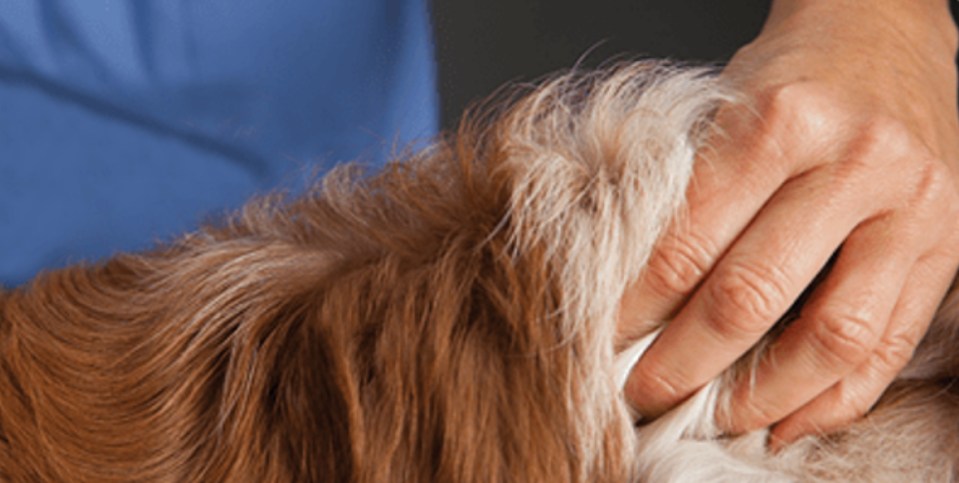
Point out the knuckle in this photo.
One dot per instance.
(878, 143)
(884, 135)
(843, 339)
(658, 383)
(752, 412)
(895, 352)
(854, 403)
(936, 188)
(793, 98)
(804, 105)
(679, 266)
(746, 300)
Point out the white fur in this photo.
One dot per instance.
(598, 177)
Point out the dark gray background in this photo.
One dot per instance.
(482, 44)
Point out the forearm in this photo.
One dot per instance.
(927, 24)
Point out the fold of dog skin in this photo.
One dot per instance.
(451, 318)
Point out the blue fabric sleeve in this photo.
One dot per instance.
(123, 123)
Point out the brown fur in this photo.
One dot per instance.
(396, 327)
(299, 343)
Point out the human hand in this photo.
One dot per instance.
(850, 142)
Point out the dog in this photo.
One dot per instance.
(448, 318)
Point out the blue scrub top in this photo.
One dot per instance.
(123, 123)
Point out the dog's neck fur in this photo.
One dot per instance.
(451, 318)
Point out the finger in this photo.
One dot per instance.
(840, 325)
(858, 392)
(753, 285)
(848, 314)
(744, 153)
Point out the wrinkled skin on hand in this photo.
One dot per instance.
(848, 140)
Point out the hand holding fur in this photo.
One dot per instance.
(451, 318)
(847, 142)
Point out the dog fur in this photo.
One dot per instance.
(449, 318)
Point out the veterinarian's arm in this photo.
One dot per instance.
(856, 144)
